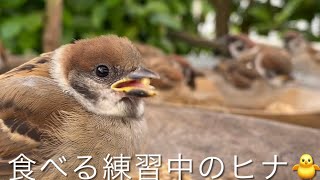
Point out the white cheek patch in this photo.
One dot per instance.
(56, 70)
(233, 50)
(110, 104)
(107, 103)
(113, 106)
(259, 67)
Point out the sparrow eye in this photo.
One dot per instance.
(102, 71)
(240, 48)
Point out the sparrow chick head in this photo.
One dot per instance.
(104, 74)
(294, 42)
(236, 44)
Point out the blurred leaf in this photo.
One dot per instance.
(207, 7)
(156, 7)
(99, 14)
(113, 3)
(131, 32)
(178, 7)
(263, 28)
(27, 41)
(261, 13)
(182, 47)
(82, 22)
(33, 21)
(287, 11)
(67, 18)
(167, 45)
(11, 27)
(80, 6)
(166, 20)
(135, 9)
(21, 21)
(11, 3)
(68, 36)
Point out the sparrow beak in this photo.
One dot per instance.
(137, 83)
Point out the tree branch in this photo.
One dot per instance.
(223, 12)
(198, 41)
(52, 31)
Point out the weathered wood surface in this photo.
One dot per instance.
(198, 133)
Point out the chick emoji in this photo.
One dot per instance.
(306, 169)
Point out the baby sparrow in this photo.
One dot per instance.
(305, 59)
(237, 73)
(297, 45)
(173, 68)
(270, 62)
(83, 99)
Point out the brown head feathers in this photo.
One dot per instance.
(84, 55)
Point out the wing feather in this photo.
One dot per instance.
(27, 108)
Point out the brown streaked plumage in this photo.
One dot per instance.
(296, 44)
(269, 61)
(81, 99)
(173, 68)
(174, 84)
(275, 60)
(170, 72)
(305, 59)
(174, 71)
(9, 61)
(237, 73)
(189, 72)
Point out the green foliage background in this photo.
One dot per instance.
(21, 21)
(263, 17)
